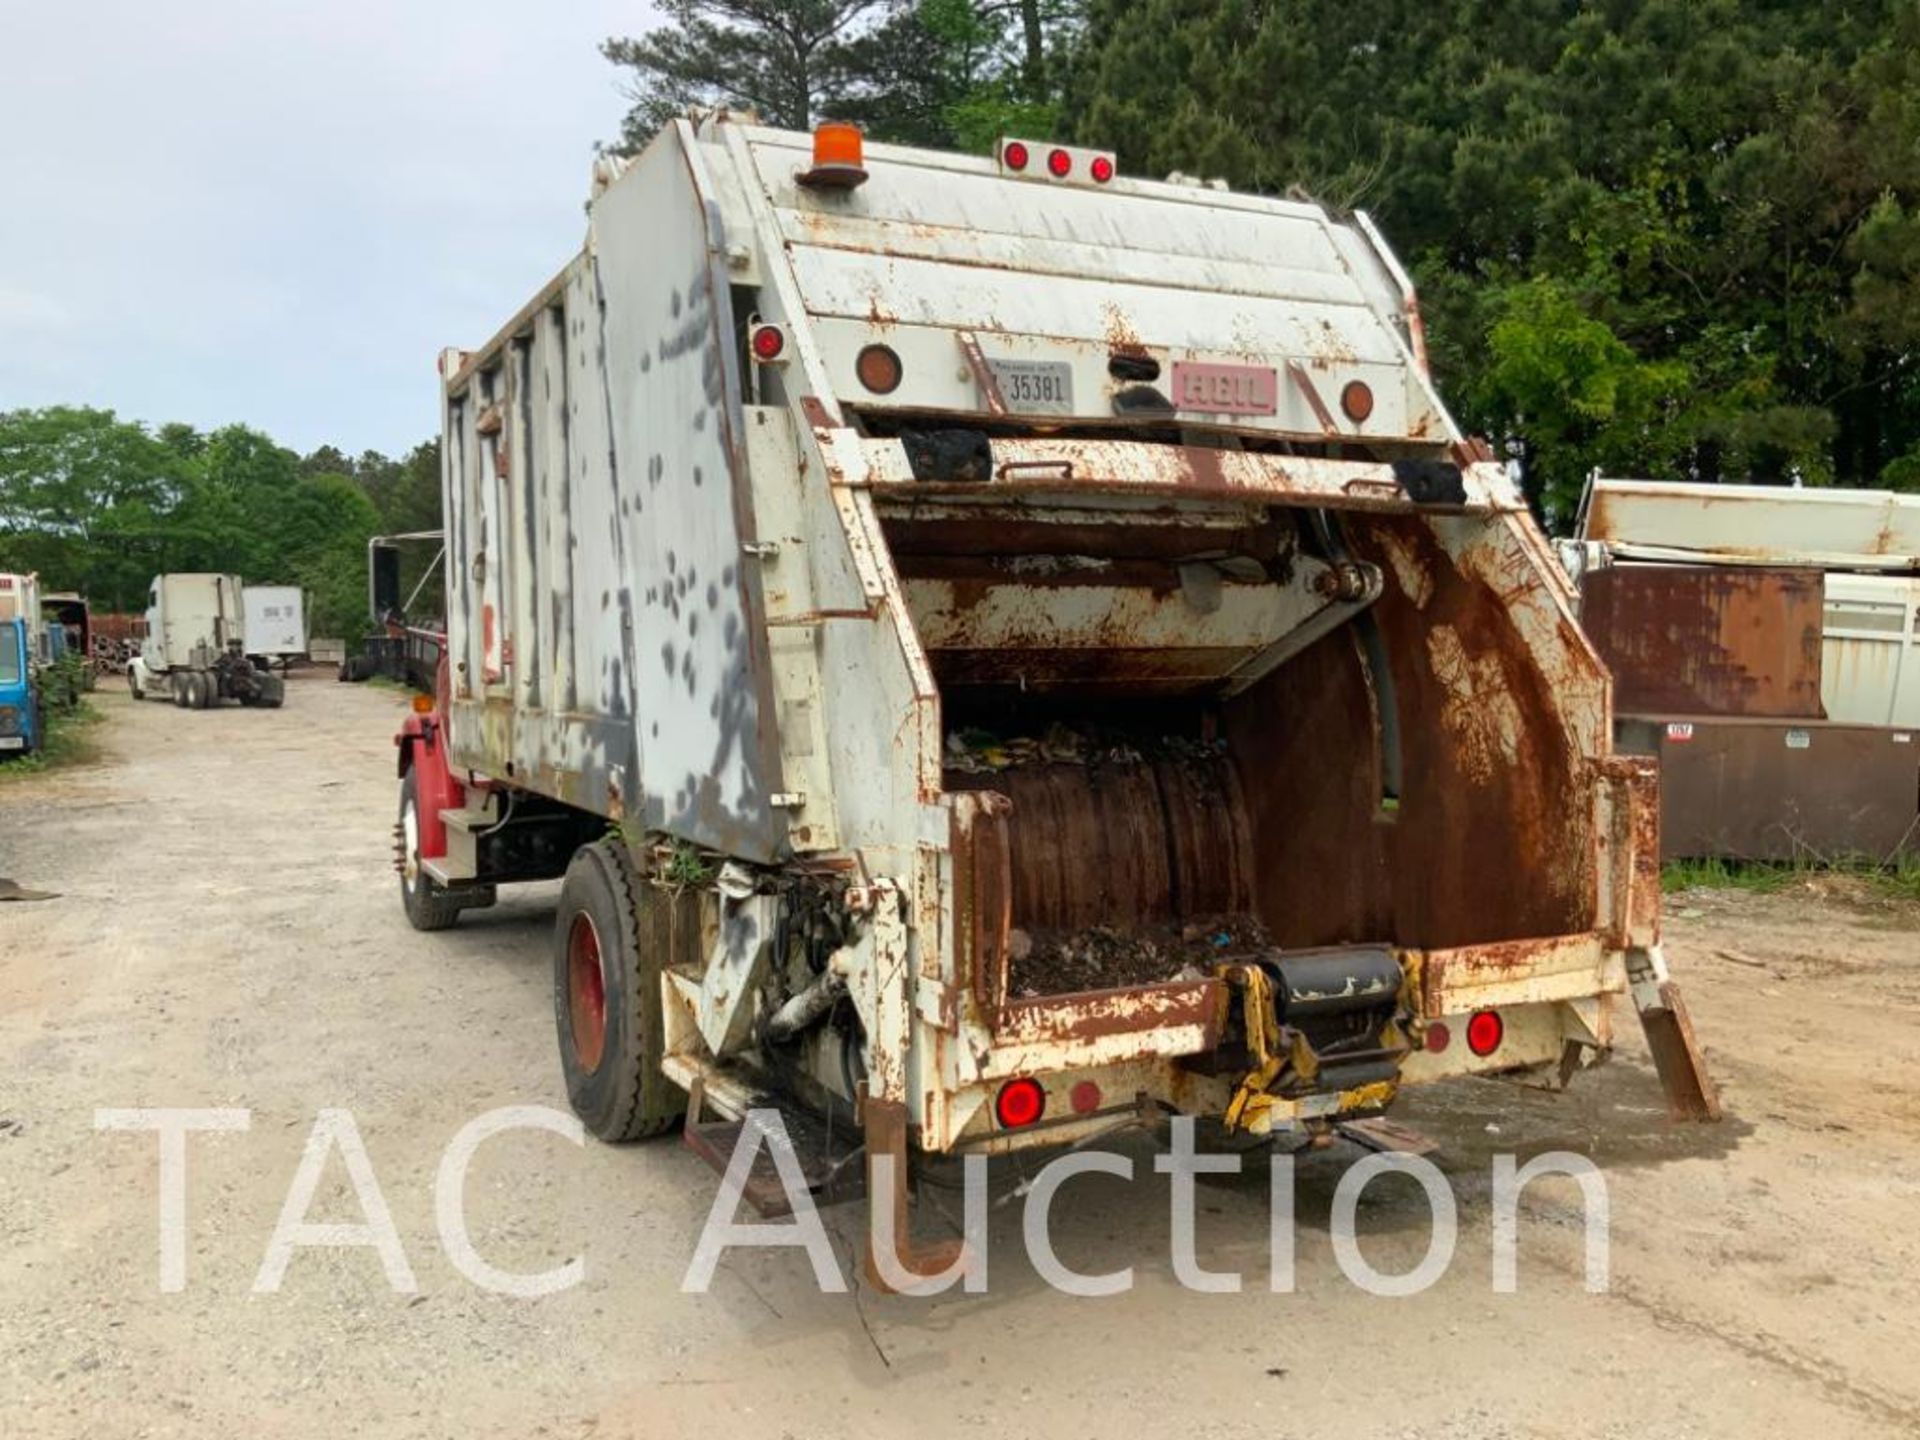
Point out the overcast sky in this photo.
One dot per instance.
(278, 212)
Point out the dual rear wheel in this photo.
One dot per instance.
(610, 942)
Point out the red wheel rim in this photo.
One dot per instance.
(586, 993)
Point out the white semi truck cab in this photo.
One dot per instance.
(1045, 651)
(195, 652)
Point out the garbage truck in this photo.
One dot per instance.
(195, 652)
(999, 650)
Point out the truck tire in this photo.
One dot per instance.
(428, 904)
(273, 692)
(180, 679)
(609, 948)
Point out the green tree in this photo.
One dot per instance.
(84, 498)
(1671, 237)
(923, 72)
(784, 58)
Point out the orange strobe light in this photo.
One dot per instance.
(839, 157)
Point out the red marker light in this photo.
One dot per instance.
(1485, 1031)
(1020, 1103)
(1357, 400)
(1438, 1037)
(768, 341)
(1015, 155)
(1102, 169)
(1060, 163)
(1084, 1097)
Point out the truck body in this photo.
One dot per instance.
(21, 714)
(274, 622)
(195, 651)
(20, 600)
(1862, 547)
(1048, 652)
(1765, 644)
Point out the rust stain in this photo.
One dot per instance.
(1708, 640)
(1479, 711)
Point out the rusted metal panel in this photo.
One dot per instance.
(1494, 722)
(1517, 972)
(1708, 640)
(1752, 789)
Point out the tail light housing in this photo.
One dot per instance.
(1485, 1031)
(1020, 1103)
(767, 341)
(1055, 164)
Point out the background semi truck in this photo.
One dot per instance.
(195, 651)
(1000, 650)
(274, 623)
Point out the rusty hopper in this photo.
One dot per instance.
(1045, 653)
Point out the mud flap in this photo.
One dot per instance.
(1676, 1053)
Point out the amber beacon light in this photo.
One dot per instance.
(839, 157)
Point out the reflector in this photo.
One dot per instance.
(879, 369)
(1357, 400)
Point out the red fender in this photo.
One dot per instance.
(423, 750)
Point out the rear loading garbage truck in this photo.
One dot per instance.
(196, 650)
(998, 650)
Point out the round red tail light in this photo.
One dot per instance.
(1102, 169)
(1485, 1031)
(1357, 400)
(1438, 1036)
(1085, 1097)
(768, 342)
(1020, 1103)
(1014, 156)
(1060, 163)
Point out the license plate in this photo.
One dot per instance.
(13, 742)
(1225, 389)
(1034, 387)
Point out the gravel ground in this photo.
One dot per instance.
(227, 935)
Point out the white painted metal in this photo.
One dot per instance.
(191, 619)
(1870, 650)
(275, 620)
(1870, 530)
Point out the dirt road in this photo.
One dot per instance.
(227, 935)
